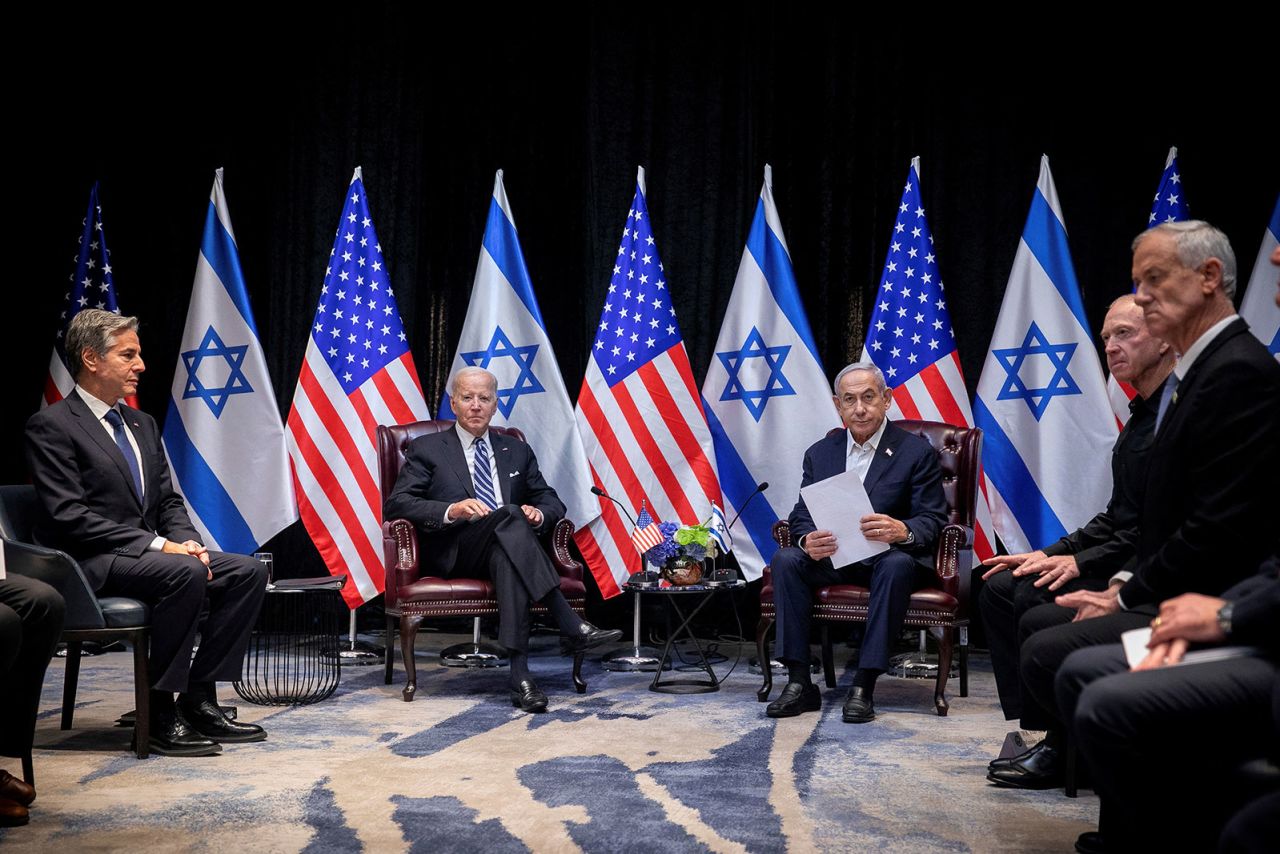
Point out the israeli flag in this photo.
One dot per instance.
(1258, 307)
(766, 395)
(222, 434)
(505, 335)
(1042, 401)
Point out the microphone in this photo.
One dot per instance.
(595, 490)
(760, 487)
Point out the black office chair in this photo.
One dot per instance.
(89, 618)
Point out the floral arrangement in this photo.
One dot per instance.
(688, 541)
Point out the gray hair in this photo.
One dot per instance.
(471, 371)
(96, 330)
(858, 366)
(1196, 241)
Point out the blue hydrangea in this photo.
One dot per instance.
(667, 549)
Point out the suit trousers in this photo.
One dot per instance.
(1044, 651)
(31, 614)
(176, 588)
(890, 577)
(504, 547)
(1006, 601)
(1164, 745)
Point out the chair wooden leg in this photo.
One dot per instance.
(70, 682)
(828, 657)
(946, 642)
(763, 656)
(388, 650)
(141, 696)
(409, 634)
(579, 684)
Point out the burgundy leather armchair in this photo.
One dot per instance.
(942, 608)
(412, 596)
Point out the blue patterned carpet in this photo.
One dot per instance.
(619, 769)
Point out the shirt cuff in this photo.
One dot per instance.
(446, 520)
(1121, 577)
(157, 545)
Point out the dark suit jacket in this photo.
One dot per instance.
(84, 485)
(1209, 511)
(903, 481)
(435, 475)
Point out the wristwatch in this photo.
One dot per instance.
(1224, 618)
(911, 537)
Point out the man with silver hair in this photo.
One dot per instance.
(481, 503)
(103, 482)
(904, 482)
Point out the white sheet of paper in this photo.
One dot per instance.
(1135, 649)
(836, 505)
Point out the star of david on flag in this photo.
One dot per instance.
(910, 338)
(222, 431)
(504, 333)
(766, 393)
(1042, 402)
(225, 377)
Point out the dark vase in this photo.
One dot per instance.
(682, 571)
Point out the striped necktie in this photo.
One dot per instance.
(481, 476)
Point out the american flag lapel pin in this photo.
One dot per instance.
(888, 452)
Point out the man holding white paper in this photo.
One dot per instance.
(900, 474)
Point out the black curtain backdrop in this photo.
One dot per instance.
(430, 107)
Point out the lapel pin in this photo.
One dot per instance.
(888, 452)
(513, 474)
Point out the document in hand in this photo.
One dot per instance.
(836, 505)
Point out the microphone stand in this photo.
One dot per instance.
(638, 658)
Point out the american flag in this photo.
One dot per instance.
(639, 412)
(1168, 206)
(357, 373)
(910, 337)
(91, 286)
(648, 533)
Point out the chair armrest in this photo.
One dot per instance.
(782, 533)
(400, 557)
(61, 572)
(950, 560)
(558, 548)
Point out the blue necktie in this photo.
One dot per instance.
(481, 476)
(122, 442)
(1170, 389)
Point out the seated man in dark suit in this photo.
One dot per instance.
(1169, 741)
(103, 482)
(904, 482)
(480, 501)
(31, 614)
(1208, 507)
(1018, 603)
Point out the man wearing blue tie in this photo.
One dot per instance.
(103, 482)
(481, 503)
(902, 477)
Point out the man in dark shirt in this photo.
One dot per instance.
(1017, 599)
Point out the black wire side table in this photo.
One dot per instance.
(672, 595)
(290, 660)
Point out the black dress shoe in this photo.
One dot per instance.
(1006, 761)
(16, 789)
(795, 698)
(1090, 842)
(173, 736)
(1038, 769)
(857, 707)
(588, 636)
(12, 813)
(208, 720)
(527, 697)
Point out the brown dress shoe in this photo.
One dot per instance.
(12, 813)
(16, 789)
